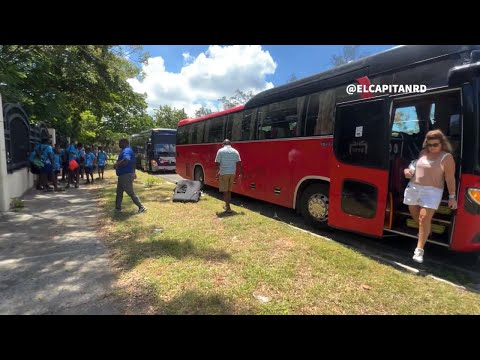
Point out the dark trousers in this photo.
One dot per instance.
(73, 176)
(125, 183)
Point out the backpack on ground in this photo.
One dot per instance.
(187, 191)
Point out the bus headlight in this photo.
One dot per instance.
(474, 194)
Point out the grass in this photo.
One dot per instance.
(16, 204)
(191, 259)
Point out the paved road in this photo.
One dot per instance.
(51, 261)
(462, 269)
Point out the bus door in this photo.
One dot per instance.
(360, 166)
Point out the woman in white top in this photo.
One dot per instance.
(424, 192)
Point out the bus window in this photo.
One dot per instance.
(320, 110)
(278, 120)
(406, 121)
(182, 135)
(197, 132)
(359, 132)
(242, 126)
(214, 130)
(234, 131)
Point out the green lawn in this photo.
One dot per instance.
(191, 259)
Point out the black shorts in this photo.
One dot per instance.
(88, 170)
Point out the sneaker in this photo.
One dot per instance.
(142, 209)
(117, 210)
(418, 255)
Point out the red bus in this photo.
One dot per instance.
(338, 158)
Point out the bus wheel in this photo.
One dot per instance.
(314, 205)
(198, 175)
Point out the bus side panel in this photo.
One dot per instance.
(206, 157)
(181, 159)
(467, 226)
(340, 218)
(277, 166)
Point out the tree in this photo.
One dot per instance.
(202, 111)
(168, 117)
(239, 98)
(349, 53)
(400, 121)
(57, 83)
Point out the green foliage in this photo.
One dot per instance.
(81, 90)
(168, 117)
(152, 181)
(202, 111)
(16, 204)
(239, 98)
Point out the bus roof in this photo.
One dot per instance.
(209, 116)
(163, 129)
(384, 61)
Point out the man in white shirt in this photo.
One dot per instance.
(225, 165)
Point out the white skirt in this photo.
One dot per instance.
(424, 196)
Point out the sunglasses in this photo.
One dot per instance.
(433, 145)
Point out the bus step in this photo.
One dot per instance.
(436, 228)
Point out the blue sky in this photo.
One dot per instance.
(189, 76)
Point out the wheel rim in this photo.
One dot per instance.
(198, 175)
(318, 207)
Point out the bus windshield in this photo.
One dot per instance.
(164, 149)
(164, 143)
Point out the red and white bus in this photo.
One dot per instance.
(338, 158)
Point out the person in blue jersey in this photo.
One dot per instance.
(44, 152)
(57, 161)
(89, 164)
(63, 161)
(73, 154)
(101, 161)
(226, 163)
(81, 158)
(125, 168)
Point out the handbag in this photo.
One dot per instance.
(38, 163)
(72, 165)
(413, 166)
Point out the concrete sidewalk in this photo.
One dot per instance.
(51, 261)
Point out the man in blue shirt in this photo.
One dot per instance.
(125, 168)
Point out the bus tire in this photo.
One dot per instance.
(198, 175)
(314, 205)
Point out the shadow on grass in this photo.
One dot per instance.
(136, 252)
(195, 303)
(189, 302)
(228, 214)
(459, 268)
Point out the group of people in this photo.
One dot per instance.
(428, 174)
(72, 161)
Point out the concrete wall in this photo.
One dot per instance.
(15, 184)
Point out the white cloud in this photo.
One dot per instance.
(202, 80)
(187, 57)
